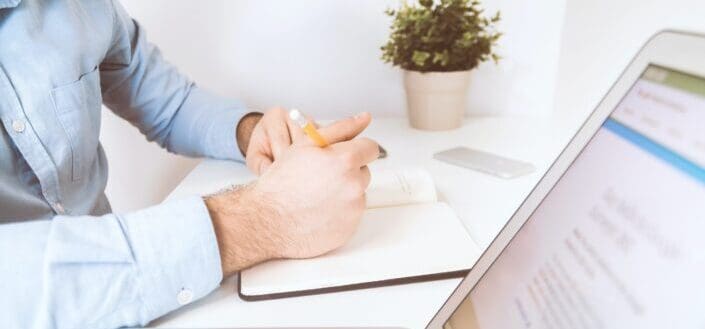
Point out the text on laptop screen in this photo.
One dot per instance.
(619, 242)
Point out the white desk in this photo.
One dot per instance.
(483, 202)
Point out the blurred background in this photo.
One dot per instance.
(323, 56)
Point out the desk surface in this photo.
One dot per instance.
(484, 203)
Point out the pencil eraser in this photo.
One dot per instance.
(295, 115)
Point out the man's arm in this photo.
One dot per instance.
(125, 270)
(109, 271)
(167, 107)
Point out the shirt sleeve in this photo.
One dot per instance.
(168, 108)
(107, 272)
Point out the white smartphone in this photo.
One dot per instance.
(485, 162)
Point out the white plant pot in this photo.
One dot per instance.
(436, 100)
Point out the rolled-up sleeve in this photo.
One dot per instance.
(166, 106)
(109, 271)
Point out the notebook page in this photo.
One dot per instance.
(390, 243)
(390, 188)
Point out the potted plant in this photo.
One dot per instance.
(437, 44)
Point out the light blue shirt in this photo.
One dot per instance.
(65, 260)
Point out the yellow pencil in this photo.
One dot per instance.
(308, 127)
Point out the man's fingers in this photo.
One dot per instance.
(296, 133)
(277, 131)
(258, 163)
(346, 129)
(359, 152)
(366, 176)
(263, 166)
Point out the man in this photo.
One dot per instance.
(65, 260)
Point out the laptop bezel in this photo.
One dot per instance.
(683, 51)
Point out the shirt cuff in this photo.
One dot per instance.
(214, 118)
(180, 261)
(223, 142)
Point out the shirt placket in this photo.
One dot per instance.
(28, 143)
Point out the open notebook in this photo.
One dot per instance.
(405, 236)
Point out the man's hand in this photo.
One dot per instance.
(275, 132)
(307, 203)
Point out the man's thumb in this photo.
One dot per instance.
(346, 129)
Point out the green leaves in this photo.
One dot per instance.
(445, 35)
(419, 57)
(426, 3)
(442, 58)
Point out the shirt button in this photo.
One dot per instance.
(18, 126)
(184, 296)
(59, 208)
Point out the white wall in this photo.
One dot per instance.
(323, 56)
(320, 55)
(600, 37)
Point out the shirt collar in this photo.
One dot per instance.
(9, 3)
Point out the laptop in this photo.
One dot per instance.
(613, 236)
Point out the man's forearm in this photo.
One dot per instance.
(243, 224)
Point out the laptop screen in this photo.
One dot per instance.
(619, 242)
